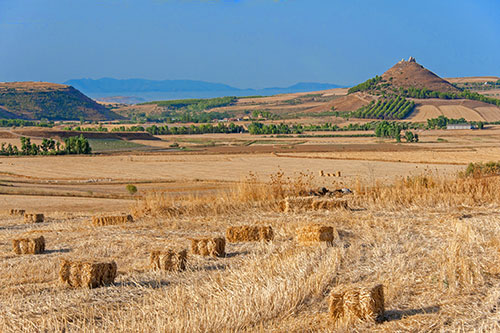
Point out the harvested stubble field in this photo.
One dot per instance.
(433, 243)
(432, 239)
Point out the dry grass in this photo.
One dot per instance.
(246, 194)
(429, 190)
(432, 242)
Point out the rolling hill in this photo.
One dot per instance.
(409, 91)
(43, 100)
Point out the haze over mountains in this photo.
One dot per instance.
(148, 90)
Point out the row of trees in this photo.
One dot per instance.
(442, 121)
(73, 145)
(260, 128)
(196, 104)
(200, 129)
(466, 94)
(385, 108)
(22, 122)
(86, 129)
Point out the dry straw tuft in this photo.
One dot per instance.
(249, 233)
(315, 233)
(29, 245)
(88, 274)
(33, 218)
(168, 260)
(214, 247)
(301, 204)
(357, 303)
(111, 220)
(17, 212)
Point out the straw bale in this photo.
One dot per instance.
(297, 204)
(29, 245)
(17, 212)
(328, 204)
(315, 233)
(339, 174)
(249, 233)
(329, 175)
(33, 218)
(111, 220)
(357, 303)
(321, 173)
(301, 204)
(168, 260)
(214, 247)
(90, 274)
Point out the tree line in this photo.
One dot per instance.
(22, 122)
(193, 129)
(72, 145)
(466, 94)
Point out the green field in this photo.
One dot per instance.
(111, 145)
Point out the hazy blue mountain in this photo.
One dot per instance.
(109, 85)
(147, 90)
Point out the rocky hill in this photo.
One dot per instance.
(410, 91)
(407, 74)
(42, 100)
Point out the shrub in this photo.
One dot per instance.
(482, 169)
(132, 189)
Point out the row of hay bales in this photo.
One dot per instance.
(28, 217)
(327, 174)
(346, 305)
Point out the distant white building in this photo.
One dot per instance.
(459, 126)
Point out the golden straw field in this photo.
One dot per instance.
(272, 253)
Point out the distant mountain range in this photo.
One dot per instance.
(142, 89)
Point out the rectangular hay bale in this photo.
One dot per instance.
(111, 220)
(357, 303)
(33, 218)
(168, 260)
(214, 247)
(328, 204)
(89, 274)
(297, 204)
(17, 212)
(249, 233)
(314, 233)
(302, 204)
(29, 245)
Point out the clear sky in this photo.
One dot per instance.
(245, 43)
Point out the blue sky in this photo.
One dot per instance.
(245, 43)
